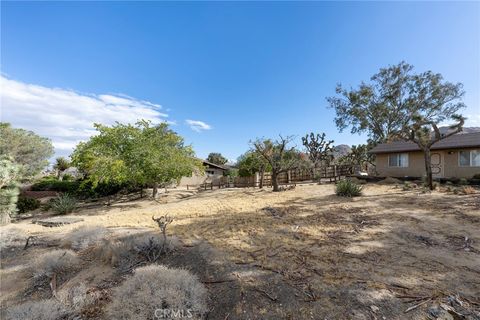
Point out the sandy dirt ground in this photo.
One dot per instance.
(298, 254)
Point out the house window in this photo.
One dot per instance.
(398, 160)
(469, 158)
(210, 172)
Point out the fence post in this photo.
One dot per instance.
(335, 172)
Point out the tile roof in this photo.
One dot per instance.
(459, 140)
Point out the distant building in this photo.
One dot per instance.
(213, 173)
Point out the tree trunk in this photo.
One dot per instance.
(262, 173)
(428, 168)
(155, 190)
(4, 218)
(275, 181)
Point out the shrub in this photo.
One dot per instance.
(468, 190)
(462, 182)
(68, 177)
(53, 184)
(64, 204)
(476, 176)
(406, 186)
(77, 297)
(154, 287)
(347, 188)
(25, 204)
(59, 262)
(129, 251)
(83, 237)
(38, 310)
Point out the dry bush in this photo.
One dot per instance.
(77, 297)
(83, 237)
(38, 310)
(129, 251)
(11, 237)
(58, 262)
(157, 287)
(468, 190)
(389, 180)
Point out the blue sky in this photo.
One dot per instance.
(242, 69)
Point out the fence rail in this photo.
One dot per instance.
(333, 173)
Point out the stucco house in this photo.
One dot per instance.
(457, 156)
(213, 173)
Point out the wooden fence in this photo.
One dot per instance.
(333, 173)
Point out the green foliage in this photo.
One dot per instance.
(251, 162)
(347, 188)
(61, 164)
(359, 155)
(51, 183)
(392, 100)
(63, 204)
(402, 104)
(232, 173)
(319, 150)
(68, 177)
(25, 204)
(217, 158)
(279, 156)
(463, 182)
(9, 176)
(26, 148)
(476, 176)
(135, 155)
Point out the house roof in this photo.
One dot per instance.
(457, 141)
(218, 166)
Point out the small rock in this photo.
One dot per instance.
(374, 308)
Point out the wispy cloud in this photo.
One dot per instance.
(197, 125)
(67, 116)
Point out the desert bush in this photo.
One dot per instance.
(476, 176)
(77, 297)
(155, 287)
(468, 190)
(58, 262)
(63, 204)
(11, 237)
(126, 252)
(463, 182)
(85, 236)
(389, 180)
(407, 186)
(38, 310)
(25, 204)
(347, 188)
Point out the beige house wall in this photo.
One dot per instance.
(416, 165)
(452, 168)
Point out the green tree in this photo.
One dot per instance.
(61, 164)
(217, 158)
(319, 150)
(26, 148)
(140, 154)
(9, 177)
(279, 156)
(401, 104)
(252, 162)
(359, 156)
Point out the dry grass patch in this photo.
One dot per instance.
(38, 310)
(56, 262)
(86, 236)
(158, 290)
